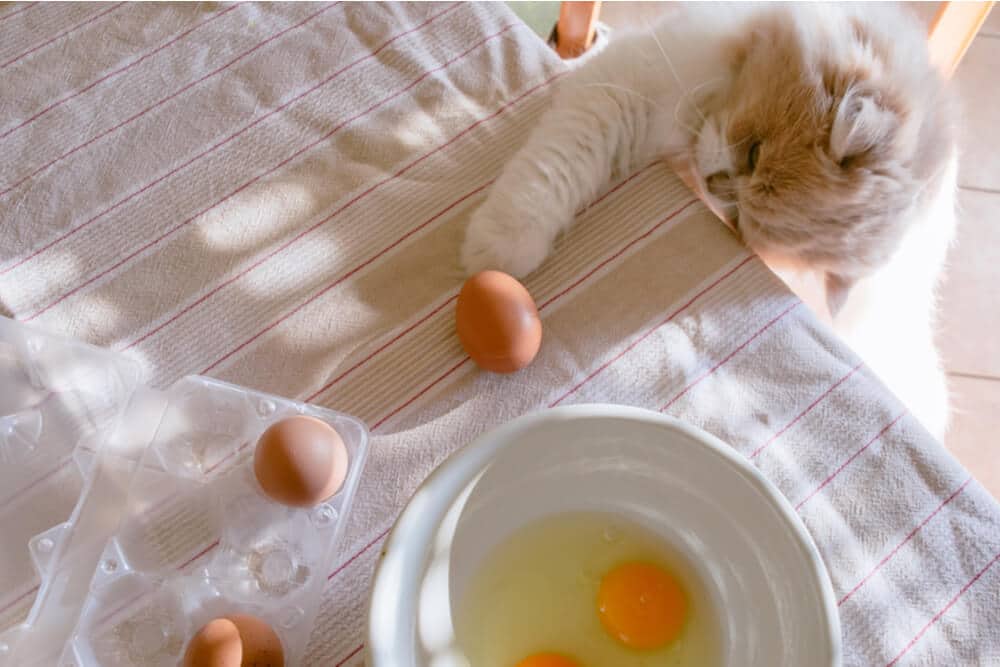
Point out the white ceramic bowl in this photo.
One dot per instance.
(774, 598)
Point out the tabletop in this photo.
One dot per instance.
(275, 195)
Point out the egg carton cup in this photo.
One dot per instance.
(200, 539)
(61, 401)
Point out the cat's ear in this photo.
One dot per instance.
(862, 124)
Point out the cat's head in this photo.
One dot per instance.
(825, 134)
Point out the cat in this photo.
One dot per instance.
(822, 132)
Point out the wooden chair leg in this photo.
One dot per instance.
(953, 30)
(576, 27)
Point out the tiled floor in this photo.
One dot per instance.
(970, 298)
(970, 335)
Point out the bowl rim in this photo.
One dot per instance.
(446, 482)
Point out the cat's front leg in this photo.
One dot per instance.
(597, 125)
(505, 236)
(620, 110)
(561, 167)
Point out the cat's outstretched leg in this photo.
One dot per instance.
(565, 162)
(628, 105)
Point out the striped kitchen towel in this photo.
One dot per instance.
(274, 194)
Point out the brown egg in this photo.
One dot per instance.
(300, 461)
(497, 322)
(238, 640)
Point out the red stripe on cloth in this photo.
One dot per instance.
(943, 611)
(198, 555)
(118, 71)
(51, 473)
(650, 332)
(413, 399)
(806, 411)
(848, 462)
(163, 101)
(731, 355)
(904, 541)
(239, 450)
(17, 11)
(350, 655)
(355, 556)
(379, 350)
(622, 251)
(388, 344)
(19, 598)
(60, 35)
(225, 141)
(302, 234)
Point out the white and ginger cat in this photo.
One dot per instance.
(823, 131)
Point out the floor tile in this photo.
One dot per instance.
(979, 90)
(974, 438)
(970, 295)
(992, 25)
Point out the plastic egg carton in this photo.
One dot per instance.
(200, 539)
(59, 402)
(129, 517)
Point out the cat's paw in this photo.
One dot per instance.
(514, 246)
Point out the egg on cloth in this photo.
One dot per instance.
(497, 322)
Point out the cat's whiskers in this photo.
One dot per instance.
(685, 92)
(677, 78)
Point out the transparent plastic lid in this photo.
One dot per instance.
(59, 402)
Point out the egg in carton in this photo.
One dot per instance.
(205, 537)
(60, 400)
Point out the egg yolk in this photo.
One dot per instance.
(547, 660)
(641, 605)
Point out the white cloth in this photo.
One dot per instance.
(275, 194)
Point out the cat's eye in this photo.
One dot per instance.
(753, 155)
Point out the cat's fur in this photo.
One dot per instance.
(823, 130)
